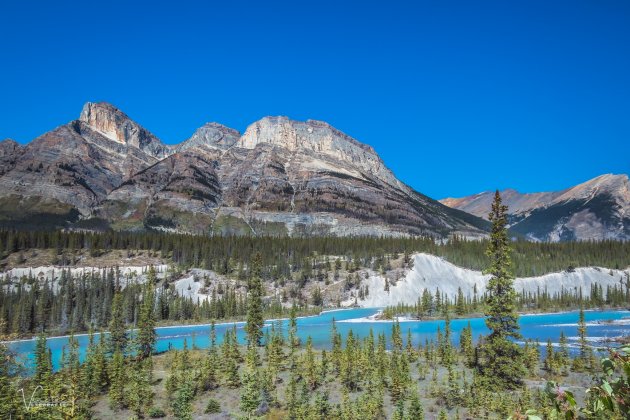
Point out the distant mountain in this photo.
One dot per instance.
(280, 177)
(595, 210)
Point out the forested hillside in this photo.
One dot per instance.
(282, 256)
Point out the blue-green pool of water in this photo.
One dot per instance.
(542, 327)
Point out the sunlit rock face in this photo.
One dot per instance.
(594, 210)
(319, 139)
(112, 123)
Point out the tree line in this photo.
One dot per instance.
(283, 256)
(77, 303)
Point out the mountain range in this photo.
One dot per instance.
(279, 177)
(597, 209)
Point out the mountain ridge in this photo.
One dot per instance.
(595, 209)
(280, 176)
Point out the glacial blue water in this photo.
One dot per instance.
(601, 325)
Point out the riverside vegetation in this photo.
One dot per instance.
(275, 375)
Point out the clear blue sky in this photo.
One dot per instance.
(457, 97)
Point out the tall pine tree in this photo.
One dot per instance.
(502, 359)
(255, 319)
(117, 326)
(146, 321)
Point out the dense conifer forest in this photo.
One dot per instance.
(79, 302)
(283, 255)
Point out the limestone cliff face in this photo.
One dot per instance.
(596, 209)
(112, 123)
(280, 177)
(318, 139)
(308, 177)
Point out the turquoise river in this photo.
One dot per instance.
(602, 326)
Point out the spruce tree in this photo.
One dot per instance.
(294, 340)
(251, 395)
(446, 351)
(336, 351)
(563, 355)
(397, 383)
(99, 368)
(453, 395)
(349, 374)
(466, 345)
(502, 360)
(321, 406)
(290, 395)
(117, 326)
(311, 374)
(146, 336)
(230, 369)
(139, 396)
(43, 366)
(460, 305)
(255, 319)
(71, 391)
(182, 404)
(207, 378)
(412, 356)
(117, 380)
(173, 380)
(87, 374)
(582, 361)
(550, 358)
(323, 367)
(416, 410)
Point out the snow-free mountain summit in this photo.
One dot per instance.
(279, 177)
(597, 209)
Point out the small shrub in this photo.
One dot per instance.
(212, 407)
(156, 413)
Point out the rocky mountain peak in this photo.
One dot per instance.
(114, 124)
(616, 185)
(212, 135)
(319, 140)
(593, 210)
(292, 135)
(8, 147)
